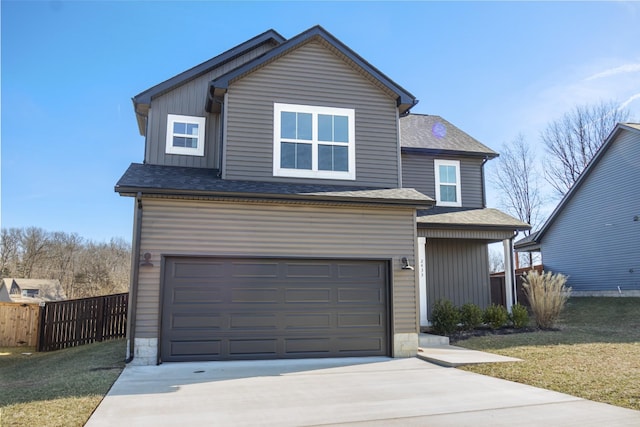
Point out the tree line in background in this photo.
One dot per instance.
(84, 268)
(570, 143)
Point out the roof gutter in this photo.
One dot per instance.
(133, 291)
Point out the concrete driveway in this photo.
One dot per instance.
(350, 391)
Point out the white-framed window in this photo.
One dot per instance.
(314, 142)
(185, 135)
(447, 183)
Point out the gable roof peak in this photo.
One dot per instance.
(405, 100)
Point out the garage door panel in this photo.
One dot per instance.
(360, 271)
(263, 347)
(308, 270)
(190, 270)
(252, 295)
(358, 344)
(313, 295)
(201, 294)
(360, 295)
(253, 321)
(196, 321)
(196, 348)
(360, 320)
(258, 269)
(306, 321)
(267, 309)
(298, 346)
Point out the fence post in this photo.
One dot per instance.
(42, 313)
(100, 320)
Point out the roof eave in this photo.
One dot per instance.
(439, 152)
(128, 191)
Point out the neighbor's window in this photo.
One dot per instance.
(314, 142)
(447, 182)
(185, 135)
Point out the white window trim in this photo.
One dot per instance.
(314, 172)
(187, 151)
(436, 168)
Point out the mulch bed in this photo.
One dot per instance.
(483, 331)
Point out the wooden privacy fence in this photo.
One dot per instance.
(18, 324)
(82, 321)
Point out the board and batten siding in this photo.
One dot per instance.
(181, 227)
(595, 240)
(189, 100)
(457, 270)
(310, 75)
(418, 172)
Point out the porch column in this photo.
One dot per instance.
(508, 272)
(422, 281)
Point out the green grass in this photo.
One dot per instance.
(59, 388)
(595, 354)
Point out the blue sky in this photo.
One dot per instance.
(69, 70)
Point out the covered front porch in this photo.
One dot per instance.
(453, 256)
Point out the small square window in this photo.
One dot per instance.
(185, 135)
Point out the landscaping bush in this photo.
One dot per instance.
(547, 296)
(496, 316)
(470, 316)
(444, 317)
(519, 316)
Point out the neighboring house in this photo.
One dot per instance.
(31, 290)
(593, 235)
(271, 219)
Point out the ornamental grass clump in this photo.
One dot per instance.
(547, 296)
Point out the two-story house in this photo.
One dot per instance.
(271, 219)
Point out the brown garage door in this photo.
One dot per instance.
(230, 309)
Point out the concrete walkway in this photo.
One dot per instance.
(436, 349)
(328, 392)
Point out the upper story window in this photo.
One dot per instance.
(185, 135)
(447, 182)
(314, 142)
(32, 293)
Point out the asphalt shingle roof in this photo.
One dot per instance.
(426, 132)
(157, 179)
(476, 217)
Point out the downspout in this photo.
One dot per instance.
(133, 292)
(220, 101)
(512, 271)
(484, 189)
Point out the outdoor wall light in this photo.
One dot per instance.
(147, 260)
(405, 264)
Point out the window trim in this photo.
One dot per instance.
(185, 151)
(436, 168)
(314, 172)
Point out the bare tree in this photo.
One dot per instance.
(34, 243)
(84, 268)
(496, 261)
(574, 139)
(517, 179)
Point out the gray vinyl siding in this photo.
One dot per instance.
(418, 173)
(189, 100)
(310, 75)
(457, 270)
(594, 240)
(181, 227)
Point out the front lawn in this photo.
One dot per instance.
(59, 388)
(595, 354)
